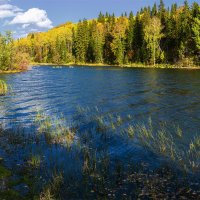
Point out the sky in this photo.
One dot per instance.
(25, 16)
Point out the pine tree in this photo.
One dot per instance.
(196, 29)
(185, 31)
(154, 10)
(81, 41)
(97, 38)
(130, 38)
(118, 44)
(138, 39)
(101, 18)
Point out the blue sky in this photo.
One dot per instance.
(24, 16)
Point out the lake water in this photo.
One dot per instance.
(167, 96)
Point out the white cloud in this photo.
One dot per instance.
(8, 10)
(32, 20)
(33, 16)
(25, 26)
(6, 14)
(10, 7)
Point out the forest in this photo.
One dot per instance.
(156, 35)
(11, 59)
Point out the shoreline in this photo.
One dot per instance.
(133, 65)
(10, 72)
(15, 71)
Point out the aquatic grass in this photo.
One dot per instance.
(179, 132)
(68, 137)
(3, 88)
(101, 176)
(86, 160)
(193, 155)
(56, 182)
(158, 141)
(196, 142)
(119, 120)
(4, 172)
(64, 136)
(101, 124)
(39, 116)
(55, 130)
(161, 141)
(45, 125)
(52, 189)
(131, 131)
(112, 126)
(129, 117)
(35, 161)
(46, 195)
(144, 134)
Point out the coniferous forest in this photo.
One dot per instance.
(156, 35)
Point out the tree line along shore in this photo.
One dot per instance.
(155, 37)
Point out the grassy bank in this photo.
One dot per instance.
(132, 65)
(14, 71)
(10, 72)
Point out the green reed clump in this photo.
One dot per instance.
(119, 120)
(195, 144)
(194, 153)
(112, 126)
(51, 191)
(3, 88)
(46, 195)
(159, 141)
(35, 161)
(131, 131)
(179, 132)
(101, 125)
(55, 130)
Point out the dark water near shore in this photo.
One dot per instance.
(164, 95)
